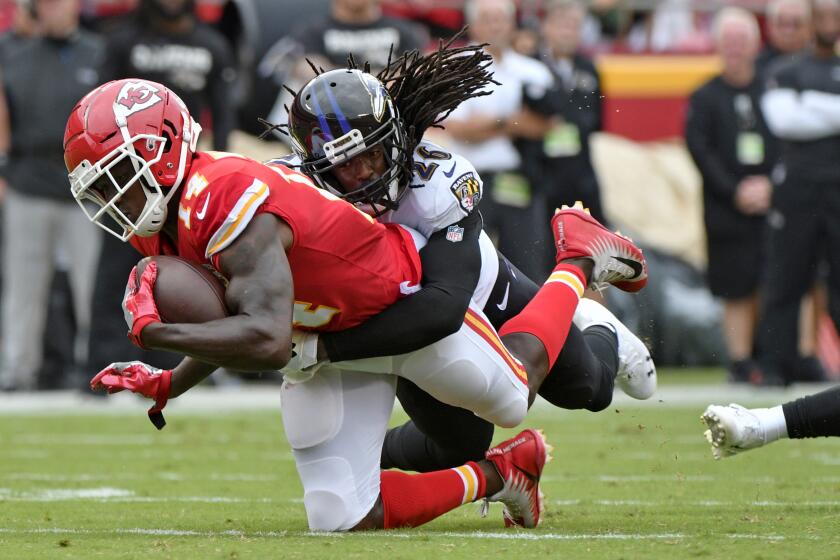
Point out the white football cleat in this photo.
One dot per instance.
(732, 429)
(636, 374)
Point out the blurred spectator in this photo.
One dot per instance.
(354, 27)
(40, 216)
(576, 100)
(671, 26)
(607, 22)
(358, 27)
(484, 129)
(165, 43)
(802, 108)
(788, 32)
(24, 26)
(732, 147)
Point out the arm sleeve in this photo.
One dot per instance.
(791, 116)
(698, 136)
(450, 275)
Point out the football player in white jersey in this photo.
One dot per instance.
(436, 192)
(416, 183)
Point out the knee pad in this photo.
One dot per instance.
(329, 495)
(312, 411)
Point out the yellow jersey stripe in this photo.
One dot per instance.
(238, 218)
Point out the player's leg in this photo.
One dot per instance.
(28, 237)
(733, 429)
(470, 369)
(437, 436)
(792, 257)
(584, 373)
(832, 254)
(510, 474)
(586, 252)
(335, 423)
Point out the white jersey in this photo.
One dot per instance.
(444, 188)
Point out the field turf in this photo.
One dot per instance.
(631, 482)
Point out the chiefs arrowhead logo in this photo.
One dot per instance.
(134, 97)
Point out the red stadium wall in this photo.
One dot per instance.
(645, 96)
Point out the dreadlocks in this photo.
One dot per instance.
(426, 88)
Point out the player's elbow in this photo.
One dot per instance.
(271, 346)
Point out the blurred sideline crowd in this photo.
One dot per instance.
(757, 299)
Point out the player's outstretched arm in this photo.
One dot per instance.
(257, 335)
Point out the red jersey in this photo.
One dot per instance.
(345, 266)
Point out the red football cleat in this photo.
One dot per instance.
(616, 258)
(520, 461)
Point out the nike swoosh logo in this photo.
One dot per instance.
(635, 265)
(200, 215)
(407, 288)
(502, 306)
(451, 172)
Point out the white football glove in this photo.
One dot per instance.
(304, 363)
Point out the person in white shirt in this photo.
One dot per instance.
(491, 132)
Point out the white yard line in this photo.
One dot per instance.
(484, 535)
(267, 398)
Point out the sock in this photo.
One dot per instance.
(814, 416)
(410, 500)
(548, 316)
(773, 422)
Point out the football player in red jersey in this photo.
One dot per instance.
(130, 149)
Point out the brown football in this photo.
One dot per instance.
(185, 292)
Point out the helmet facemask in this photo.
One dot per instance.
(340, 115)
(382, 193)
(99, 187)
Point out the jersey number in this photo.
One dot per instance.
(312, 316)
(426, 170)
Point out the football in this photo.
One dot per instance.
(185, 292)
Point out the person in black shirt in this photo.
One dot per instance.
(802, 108)
(576, 99)
(354, 27)
(734, 152)
(358, 27)
(166, 43)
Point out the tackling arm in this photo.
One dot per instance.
(450, 275)
(258, 334)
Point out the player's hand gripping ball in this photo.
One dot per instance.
(171, 290)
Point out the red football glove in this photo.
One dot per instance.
(139, 302)
(140, 378)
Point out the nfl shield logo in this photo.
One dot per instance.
(454, 234)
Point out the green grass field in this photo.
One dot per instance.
(630, 482)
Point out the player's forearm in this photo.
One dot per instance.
(239, 342)
(189, 373)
